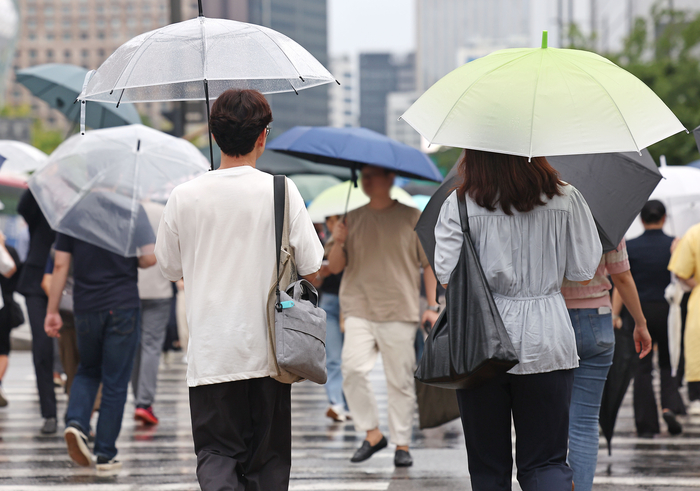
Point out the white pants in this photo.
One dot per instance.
(395, 341)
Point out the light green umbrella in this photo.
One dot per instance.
(541, 102)
(311, 185)
(335, 201)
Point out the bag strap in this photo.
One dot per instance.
(280, 192)
(463, 215)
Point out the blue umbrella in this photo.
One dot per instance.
(354, 147)
(59, 85)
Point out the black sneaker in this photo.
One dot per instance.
(50, 426)
(108, 465)
(77, 444)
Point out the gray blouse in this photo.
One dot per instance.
(525, 258)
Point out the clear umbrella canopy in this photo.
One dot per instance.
(95, 185)
(172, 63)
(19, 158)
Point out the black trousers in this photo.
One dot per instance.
(539, 405)
(242, 435)
(646, 415)
(42, 352)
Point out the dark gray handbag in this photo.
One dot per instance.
(300, 325)
(469, 343)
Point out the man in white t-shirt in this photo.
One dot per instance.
(217, 233)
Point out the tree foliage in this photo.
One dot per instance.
(666, 56)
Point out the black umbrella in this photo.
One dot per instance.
(625, 361)
(696, 134)
(616, 187)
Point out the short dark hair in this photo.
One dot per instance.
(653, 211)
(237, 119)
(509, 181)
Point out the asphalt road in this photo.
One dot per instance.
(162, 457)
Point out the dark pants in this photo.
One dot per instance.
(646, 415)
(107, 342)
(242, 435)
(42, 352)
(539, 404)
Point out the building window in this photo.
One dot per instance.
(50, 36)
(101, 52)
(100, 22)
(48, 23)
(67, 35)
(131, 22)
(67, 23)
(116, 23)
(67, 53)
(32, 53)
(85, 53)
(83, 23)
(49, 53)
(48, 10)
(84, 35)
(101, 35)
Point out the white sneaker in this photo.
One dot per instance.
(337, 413)
(694, 408)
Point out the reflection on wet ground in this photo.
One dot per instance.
(162, 459)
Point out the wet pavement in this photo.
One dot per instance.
(161, 458)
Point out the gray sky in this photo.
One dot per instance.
(358, 26)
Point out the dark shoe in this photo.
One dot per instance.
(674, 427)
(107, 466)
(646, 435)
(50, 426)
(366, 450)
(402, 459)
(77, 445)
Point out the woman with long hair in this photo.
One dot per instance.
(530, 230)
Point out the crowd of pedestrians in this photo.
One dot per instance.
(560, 298)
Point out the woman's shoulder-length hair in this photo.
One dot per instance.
(509, 181)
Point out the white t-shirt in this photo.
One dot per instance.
(152, 283)
(217, 233)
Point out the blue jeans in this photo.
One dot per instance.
(334, 348)
(595, 341)
(107, 341)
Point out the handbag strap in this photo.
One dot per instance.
(280, 192)
(463, 215)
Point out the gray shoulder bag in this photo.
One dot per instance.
(300, 325)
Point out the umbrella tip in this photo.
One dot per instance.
(339, 84)
(138, 145)
(544, 39)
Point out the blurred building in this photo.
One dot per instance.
(396, 104)
(9, 28)
(85, 33)
(381, 74)
(344, 101)
(304, 21)
(452, 32)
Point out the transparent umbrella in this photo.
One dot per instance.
(94, 186)
(198, 59)
(19, 158)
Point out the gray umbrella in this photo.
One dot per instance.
(696, 134)
(615, 185)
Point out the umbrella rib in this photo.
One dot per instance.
(471, 85)
(534, 103)
(285, 55)
(132, 57)
(622, 116)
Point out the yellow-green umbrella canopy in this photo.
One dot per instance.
(542, 102)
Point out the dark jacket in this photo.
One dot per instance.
(41, 237)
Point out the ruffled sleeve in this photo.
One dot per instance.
(583, 247)
(448, 239)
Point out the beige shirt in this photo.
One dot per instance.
(381, 282)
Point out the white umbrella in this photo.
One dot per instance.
(198, 59)
(94, 185)
(335, 201)
(19, 158)
(679, 191)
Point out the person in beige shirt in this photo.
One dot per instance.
(379, 296)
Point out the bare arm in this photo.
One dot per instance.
(337, 260)
(624, 284)
(310, 277)
(53, 322)
(616, 308)
(147, 261)
(431, 295)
